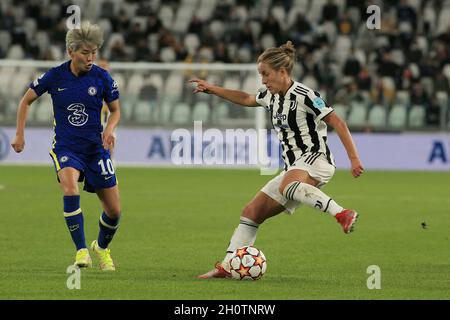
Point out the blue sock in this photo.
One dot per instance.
(108, 228)
(74, 220)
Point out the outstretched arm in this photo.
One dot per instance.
(18, 143)
(341, 128)
(235, 96)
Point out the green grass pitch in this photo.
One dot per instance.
(177, 222)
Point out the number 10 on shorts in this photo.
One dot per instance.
(108, 166)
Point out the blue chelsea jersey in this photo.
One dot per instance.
(77, 105)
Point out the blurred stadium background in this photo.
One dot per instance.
(391, 85)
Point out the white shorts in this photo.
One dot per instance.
(315, 164)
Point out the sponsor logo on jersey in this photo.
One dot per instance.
(78, 117)
(63, 159)
(280, 116)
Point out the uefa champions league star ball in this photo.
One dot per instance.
(248, 263)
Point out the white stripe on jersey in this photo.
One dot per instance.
(297, 119)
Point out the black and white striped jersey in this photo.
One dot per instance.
(297, 119)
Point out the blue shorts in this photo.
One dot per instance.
(96, 170)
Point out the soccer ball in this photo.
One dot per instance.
(248, 263)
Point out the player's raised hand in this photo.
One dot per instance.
(357, 168)
(200, 85)
(18, 143)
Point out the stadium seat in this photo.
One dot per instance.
(268, 41)
(6, 74)
(416, 117)
(242, 13)
(57, 53)
(342, 48)
(105, 25)
(190, 3)
(126, 108)
(443, 101)
(442, 98)
(43, 40)
(204, 13)
(44, 111)
(329, 28)
(18, 88)
(165, 112)
(167, 55)
(443, 21)
(29, 25)
(430, 16)
(217, 28)
(315, 10)
(354, 15)
(15, 52)
(220, 112)
(292, 14)
(143, 112)
(256, 28)
(402, 97)
(301, 3)
(232, 82)
(428, 84)
(250, 84)
(377, 116)
(357, 115)
(183, 17)
(157, 81)
(174, 86)
(165, 14)
(244, 55)
(446, 71)
(181, 114)
(135, 83)
(341, 110)
(5, 40)
(201, 112)
(279, 14)
(397, 116)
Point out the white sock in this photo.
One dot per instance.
(244, 235)
(312, 197)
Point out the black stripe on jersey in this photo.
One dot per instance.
(261, 95)
(310, 105)
(292, 121)
(314, 158)
(301, 91)
(310, 157)
(272, 99)
(312, 132)
(328, 152)
(289, 153)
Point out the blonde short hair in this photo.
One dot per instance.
(279, 57)
(88, 34)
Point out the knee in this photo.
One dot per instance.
(70, 189)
